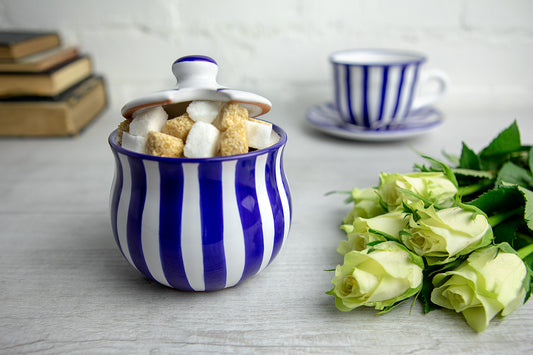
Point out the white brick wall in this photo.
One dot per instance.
(279, 48)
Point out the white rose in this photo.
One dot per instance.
(366, 204)
(379, 276)
(434, 187)
(365, 230)
(440, 236)
(492, 280)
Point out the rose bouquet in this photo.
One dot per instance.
(456, 236)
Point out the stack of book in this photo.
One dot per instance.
(46, 88)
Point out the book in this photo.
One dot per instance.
(17, 44)
(47, 83)
(64, 115)
(41, 61)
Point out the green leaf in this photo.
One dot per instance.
(507, 198)
(344, 192)
(391, 307)
(525, 251)
(347, 200)
(499, 200)
(507, 230)
(411, 211)
(382, 203)
(375, 242)
(472, 209)
(382, 234)
(497, 152)
(427, 284)
(474, 173)
(530, 160)
(470, 189)
(528, 260)
(425, 297)
(469, 159)
(528, 212)
(513, 174)
(445, 168)
(452, 158)
(506, 142)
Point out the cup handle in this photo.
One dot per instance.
(426, 100)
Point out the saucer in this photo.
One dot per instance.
(325, 118)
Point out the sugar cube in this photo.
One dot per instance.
(179, 126)
(202, 141)
(123, 126)
(274, 137)
(233, 140)
(205, 111)
(163, 145)
(230, 115)
(258, 133)
(148, 119)
(133, 143)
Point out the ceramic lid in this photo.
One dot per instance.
(196, 80)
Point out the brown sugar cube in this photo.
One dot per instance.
(123, 126)
(163, 145)
(231, 114)
(178, 127)
(233, 140)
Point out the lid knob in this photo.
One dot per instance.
(196, 71)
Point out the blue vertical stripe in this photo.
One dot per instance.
(348, 80)
(275, 201)
(171, 205)
(210, 177)
(135, 212)
(364, 89)
(250, 216)
(383, 99)
(115, 197)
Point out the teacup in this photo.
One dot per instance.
(374, 88)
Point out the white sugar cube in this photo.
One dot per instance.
(205, 111)
(258, 134)
(202, 141)
(148, 119)
(133, 143)
(274, 138)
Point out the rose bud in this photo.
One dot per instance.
(492, 280)
(379, 276)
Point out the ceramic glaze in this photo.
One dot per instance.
(374, 88)
(325, 118)
(196, 80)
(200, 224)
(376, 56)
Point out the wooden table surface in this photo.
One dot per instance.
(65, 288)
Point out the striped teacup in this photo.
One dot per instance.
(374, 88)
(200, 224)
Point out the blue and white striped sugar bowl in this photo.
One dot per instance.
(200, 224)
